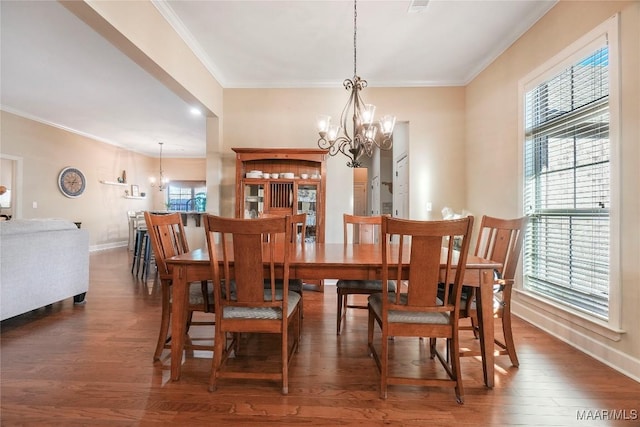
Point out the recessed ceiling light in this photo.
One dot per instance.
(195, 111)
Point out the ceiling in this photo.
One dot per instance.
(58, 70)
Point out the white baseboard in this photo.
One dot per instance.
(106, 246)
(564, 331)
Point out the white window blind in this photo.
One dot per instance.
(567, 185)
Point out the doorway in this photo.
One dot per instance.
(11, 180)
(386, 168)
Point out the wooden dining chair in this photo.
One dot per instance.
(246, 259)
(357, 230)
(168, 238)
(499, 240)
(419, 312)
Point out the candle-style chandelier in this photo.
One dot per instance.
(162, 182)
(366, 134)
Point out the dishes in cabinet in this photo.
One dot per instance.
(288, 175)
(304, 176)
(254, 174)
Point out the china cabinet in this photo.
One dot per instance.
(281, 181)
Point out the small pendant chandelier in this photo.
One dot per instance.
(366, 134)
(162, 182)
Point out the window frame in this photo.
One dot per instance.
(184, 184)
(551, 67)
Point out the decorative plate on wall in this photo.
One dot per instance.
(71, 182)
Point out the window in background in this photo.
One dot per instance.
(567, 182)
(187, 196)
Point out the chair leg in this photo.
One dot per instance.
(136, 252)
(432, 347)
(140, 259)
(506, 327)
(301, 303)
(284, 350)
(146, 265)
(384, 371)
(339, 313)
(454, 351)
(163, 337)
(189, 321)
(370, 333)
(219, 345)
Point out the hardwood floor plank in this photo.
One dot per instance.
(92, 365)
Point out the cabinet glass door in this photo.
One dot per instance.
(307, 196)
(253, 199)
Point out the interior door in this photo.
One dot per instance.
(360, 198)
(375, 196)
(401, 188)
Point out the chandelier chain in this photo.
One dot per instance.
(355, 38)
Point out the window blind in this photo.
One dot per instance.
(567, 186)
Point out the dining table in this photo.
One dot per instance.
(331, 261)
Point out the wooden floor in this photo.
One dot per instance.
(92, 364)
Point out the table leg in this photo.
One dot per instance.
(179, 319)
(485, 317)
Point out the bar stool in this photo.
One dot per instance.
(135, 219)
(141, 253)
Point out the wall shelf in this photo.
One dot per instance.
(121, 184)
(135, 197)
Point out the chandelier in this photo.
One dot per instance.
(365, 134)
(162, 182)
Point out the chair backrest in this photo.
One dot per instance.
(168, 238)
(421, 243)
(136, 218)
(244, 253)
(364, 229)
(298, 223)
(500, 240)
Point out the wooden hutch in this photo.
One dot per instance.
(300, 185)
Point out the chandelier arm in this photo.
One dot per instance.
(348, 85)
(331, 146)
(346, 148)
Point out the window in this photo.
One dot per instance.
(567, 182)
(187, 196)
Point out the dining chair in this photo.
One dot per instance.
(358, 229)
(242, 305)
(499, 240)
(417, 258)
(168, 239)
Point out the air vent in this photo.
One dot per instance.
(418, 6)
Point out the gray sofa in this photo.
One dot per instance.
(42, 261)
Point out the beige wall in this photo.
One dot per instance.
(492, 159)
(286, 118)
(45, 150)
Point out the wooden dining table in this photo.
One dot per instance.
(331, 261)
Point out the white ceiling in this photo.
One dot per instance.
(58, 70)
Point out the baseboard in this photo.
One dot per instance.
(621, 362)
(106, 246)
